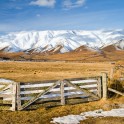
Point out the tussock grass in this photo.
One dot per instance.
(45, 115)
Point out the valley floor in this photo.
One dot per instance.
(38, 71)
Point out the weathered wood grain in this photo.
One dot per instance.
(104, 85)
(62, 93)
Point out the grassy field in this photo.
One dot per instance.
(37, 71)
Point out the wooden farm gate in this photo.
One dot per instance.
(60, 92)
(7, 95)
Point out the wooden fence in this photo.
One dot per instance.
(20, 95)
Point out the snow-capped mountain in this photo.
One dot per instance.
(64, 41)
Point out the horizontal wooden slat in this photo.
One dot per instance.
(36, 85)
(83, 84)
(7, 99)
(83, 81)
(58, 89)
(76, 95)
(88, 86)
(31, 92)
(73, 93)
(85, 78)
(90, 89)
(48, 99)
(2, 85)
(93, 89)
(38, 82)
(76, 101)
(5, 83)
(5, 95)
(6, 92)
(4, 102)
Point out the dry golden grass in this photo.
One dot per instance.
(37, 71)
(45, 115)
(119, 69)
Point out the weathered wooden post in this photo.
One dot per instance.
(18, 96)
(99, 83)
(13, 96)
(62, 93)
(104, 85)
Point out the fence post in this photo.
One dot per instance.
(18, 96)
(104, 85)
(99, 83)
(13, 96)
(62, 93)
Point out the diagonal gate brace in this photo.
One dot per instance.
(87, 92)
(37, 96)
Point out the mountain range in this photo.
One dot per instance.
(64, 41)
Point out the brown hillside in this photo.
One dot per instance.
(82, 48)
(11, 56)
(79, 55)
(109, 48)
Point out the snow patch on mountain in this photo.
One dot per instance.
(41, 41)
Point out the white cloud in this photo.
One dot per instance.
(69, 4)
(45, 3)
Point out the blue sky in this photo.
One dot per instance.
(20, 15)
